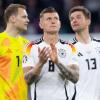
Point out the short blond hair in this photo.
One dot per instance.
(47, 10)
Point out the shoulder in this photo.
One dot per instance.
(4, 38)
(30, 44)
(2, 35)
(63, 41)
(24, 40)
(30, 47)
(69, 45)
(35, 42)
(38, 41)
(74, 41)
(72, 47)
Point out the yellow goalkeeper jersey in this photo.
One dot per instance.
(12, 83)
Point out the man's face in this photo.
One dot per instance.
(21, 20)
(78, 21)
(50, 23)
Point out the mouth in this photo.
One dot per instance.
(53, 26)
(75, 25)
(26, 24)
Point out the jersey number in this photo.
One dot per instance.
(51, 66)
(17, 57)
(93, 65)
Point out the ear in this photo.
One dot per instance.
(40, 24)
(89, 21)
(12, 18)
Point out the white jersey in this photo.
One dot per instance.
(88, 86)
(50, 85)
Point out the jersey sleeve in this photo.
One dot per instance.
(28, 61)
(29, 56)
(73, 58)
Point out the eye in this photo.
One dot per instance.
(24, 16)
(79, 17)
(56, 18)
(72, 18)
(49, 18)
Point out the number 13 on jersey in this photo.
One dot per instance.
(91, 63)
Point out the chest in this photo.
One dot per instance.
(11, 47)
(89, 56)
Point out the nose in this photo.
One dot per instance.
(53, 21)
(74, 20)
(28, 20)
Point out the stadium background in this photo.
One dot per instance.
(62, 6)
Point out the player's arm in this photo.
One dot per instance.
(71, 72)
(32, 73)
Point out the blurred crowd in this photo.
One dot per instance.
(62, 6)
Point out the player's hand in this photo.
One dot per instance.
(43, 54)
(53, 54)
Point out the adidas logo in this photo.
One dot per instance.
(80, 54)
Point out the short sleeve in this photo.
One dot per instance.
(28, 60)
(30, 57)
(73, 57)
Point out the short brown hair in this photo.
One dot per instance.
(84, 10)
(47, 10)
(12, 9)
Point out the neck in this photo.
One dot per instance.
(12, 31)
(51, 38)
(83, 37)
